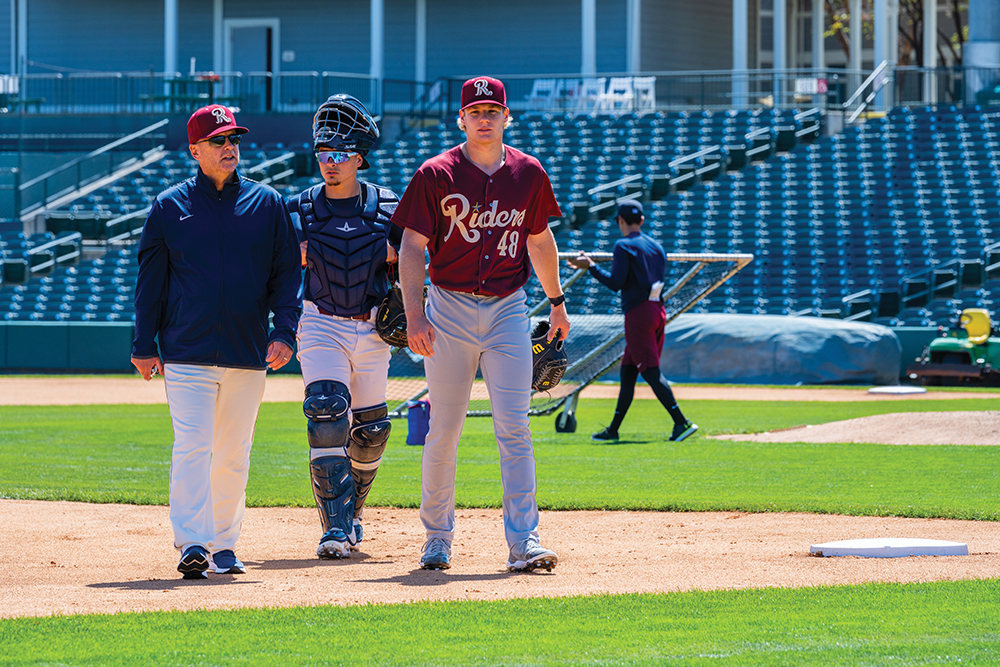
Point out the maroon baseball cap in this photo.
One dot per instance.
(209, 121)
(483, 89)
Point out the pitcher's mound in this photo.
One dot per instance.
(908, 428)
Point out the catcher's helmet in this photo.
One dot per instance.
(548, 358)
(343, 124)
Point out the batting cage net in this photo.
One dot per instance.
(596, 339)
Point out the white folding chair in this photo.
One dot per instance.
(644, 88)
(590, 94)
(619, 95)
(540, 98)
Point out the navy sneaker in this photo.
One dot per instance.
(682, 431)
(226, 562)
(605, 435)
(194, 562)
(437, 554)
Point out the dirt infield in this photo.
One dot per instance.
(60, 557)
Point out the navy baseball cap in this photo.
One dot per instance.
(483, 89)
(630, 211)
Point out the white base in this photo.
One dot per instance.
(897, 389)
(890, 547)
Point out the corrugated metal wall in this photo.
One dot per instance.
(103, 35)
(514, 37)
(612, 27)
(683, 35)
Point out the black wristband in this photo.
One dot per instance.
(557, 300)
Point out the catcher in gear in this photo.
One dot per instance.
(348, 246)
(548, 358)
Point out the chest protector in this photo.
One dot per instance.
(346, 257)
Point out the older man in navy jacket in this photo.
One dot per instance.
(218, 254)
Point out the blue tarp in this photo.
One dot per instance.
(773, 349)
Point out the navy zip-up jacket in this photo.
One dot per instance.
(212, 265)
(638, 262)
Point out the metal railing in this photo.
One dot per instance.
(174, 92)
(72, 175)
(859, 101)
(148, 92)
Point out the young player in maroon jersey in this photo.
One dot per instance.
(481, 212)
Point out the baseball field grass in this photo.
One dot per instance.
(872, 624)
(121, 454)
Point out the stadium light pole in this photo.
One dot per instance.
(779, 49)
(420, 66)
(930, 51)
(169, 36)
(740, 54)
(588, 37)
(634, 20)
(377, 38)
(857, 47)
(22, 37)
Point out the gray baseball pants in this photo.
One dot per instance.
(473, 331)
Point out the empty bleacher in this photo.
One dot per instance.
(893, 220)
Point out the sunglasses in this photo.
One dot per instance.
(220, 140)
(334, 157)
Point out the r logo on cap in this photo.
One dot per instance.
(209, 121)
(483, 88)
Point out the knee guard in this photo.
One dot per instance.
(326, 405)
(368, 437)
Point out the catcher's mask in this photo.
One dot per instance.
(548, 358)
(343, 124)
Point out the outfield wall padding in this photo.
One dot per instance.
(73, 347)
(773, 349)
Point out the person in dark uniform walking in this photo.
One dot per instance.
(637, 272)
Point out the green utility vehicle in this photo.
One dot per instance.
(966, 355)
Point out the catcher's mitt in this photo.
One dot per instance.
(548, 359)
(390, 319)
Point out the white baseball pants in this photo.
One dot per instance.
(346, 350)
(214, 411)
(492, 333)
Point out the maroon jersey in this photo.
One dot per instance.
(477, 225)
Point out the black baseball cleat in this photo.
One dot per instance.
(194, 563)
(605, 435)
(682, 431)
